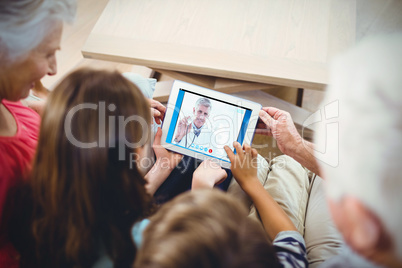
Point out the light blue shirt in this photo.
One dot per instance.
(136, 233)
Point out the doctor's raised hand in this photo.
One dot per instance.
(182, 129)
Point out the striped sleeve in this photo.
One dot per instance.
(290, 249)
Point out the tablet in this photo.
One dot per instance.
(199, 122)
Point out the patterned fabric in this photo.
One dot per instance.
(290, 249)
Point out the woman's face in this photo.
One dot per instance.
(18, 78)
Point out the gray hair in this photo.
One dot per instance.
(204, 102)
(366, 82)
(25, 23)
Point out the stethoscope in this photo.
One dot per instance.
(186, 138)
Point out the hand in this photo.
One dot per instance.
(165, 158)
(157, 110)
(279, 124)
(207, 175)
(244, 164)
(244, 169)
(182, 129)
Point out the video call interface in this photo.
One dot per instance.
(206, 130)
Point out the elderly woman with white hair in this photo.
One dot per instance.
(30, 34)
(363, 174)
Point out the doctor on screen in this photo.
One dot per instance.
(195, 132)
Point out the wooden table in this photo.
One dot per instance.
(253, 43)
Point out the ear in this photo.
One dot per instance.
(363, 229)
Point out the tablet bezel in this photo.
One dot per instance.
(177, 85)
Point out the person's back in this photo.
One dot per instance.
(364, 188)
(85, 192)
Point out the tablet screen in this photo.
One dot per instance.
(205, 125)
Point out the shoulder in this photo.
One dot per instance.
(290, 249)
(22, 114)
(18, 151)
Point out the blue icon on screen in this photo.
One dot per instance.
(196, 147)
(201, 148)
(192, 145)
(205, 149)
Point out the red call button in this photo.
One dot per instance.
(210, 151)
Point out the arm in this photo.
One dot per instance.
(244, 169)
(165, 162)
(279, 124)
(207, 175)
(156, 176)
(304, 154)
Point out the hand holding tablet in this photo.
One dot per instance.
(199, 122)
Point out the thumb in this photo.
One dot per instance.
(266, 118)
(156, 112)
